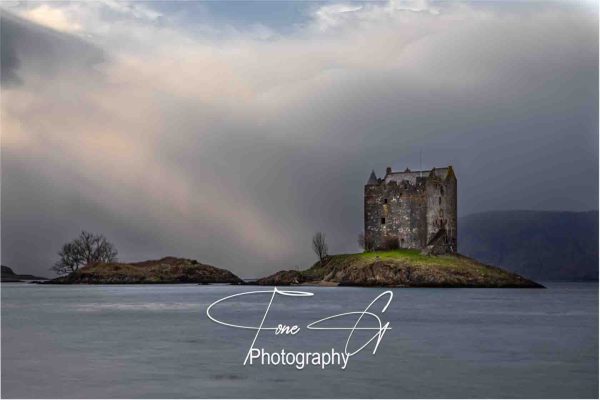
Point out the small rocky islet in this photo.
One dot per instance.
(400, 268)
(165, 270)
(8, 275)
(396, 268)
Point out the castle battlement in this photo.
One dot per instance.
(412, 210)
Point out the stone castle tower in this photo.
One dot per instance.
(412, 210)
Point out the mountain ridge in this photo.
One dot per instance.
(542, 245)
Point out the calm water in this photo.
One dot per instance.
(156, 341)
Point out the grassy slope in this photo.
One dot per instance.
(454, 270)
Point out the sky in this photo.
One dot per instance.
(231, 132)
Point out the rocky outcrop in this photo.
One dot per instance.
(165, 270)
(8, 275)
(282, 278)
(389, 274)
(402, 268)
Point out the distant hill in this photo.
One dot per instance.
(541, 245)
(8, 275)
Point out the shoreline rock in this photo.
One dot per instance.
(281, 278)
(8, 275)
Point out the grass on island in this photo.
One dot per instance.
(413, 258)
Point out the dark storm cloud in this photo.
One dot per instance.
(9, 62)
(236, 152)
(36, 51)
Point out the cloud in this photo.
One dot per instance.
(331, 16)
(234, 147)
(342, 15)
(50, 17)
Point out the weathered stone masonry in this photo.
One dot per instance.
(412, 210)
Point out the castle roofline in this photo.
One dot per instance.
(411, 176)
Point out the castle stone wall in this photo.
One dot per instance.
(409, 213)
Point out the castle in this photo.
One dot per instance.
(412, 210)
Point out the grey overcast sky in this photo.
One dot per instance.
(230, 132)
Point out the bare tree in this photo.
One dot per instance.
(86, 249)
(366, 242)
(320, 246)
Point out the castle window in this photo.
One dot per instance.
(440, 200)
(442, 190)
(384, 201)
(382, 221)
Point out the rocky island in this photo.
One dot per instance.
(8, 275)
(394, 268)
(400, 268)
(165, 270)
(409, 238)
